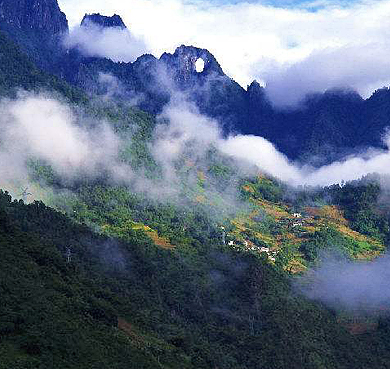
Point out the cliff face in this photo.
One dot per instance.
(34, 14)
(103, 21)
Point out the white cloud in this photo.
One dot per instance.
(363, 68)
(39, 127)
(114, 43)
(36, 126)
(263, 154)
(189, 131)
(251, 40)
(341, 284)
(354, 167)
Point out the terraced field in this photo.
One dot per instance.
(275, 228)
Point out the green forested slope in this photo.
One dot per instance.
(129, 303)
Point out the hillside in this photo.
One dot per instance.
(82, 299)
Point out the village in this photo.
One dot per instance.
(294, 224)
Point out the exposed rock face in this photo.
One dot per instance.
(182, 63)
(34, 14)
(103, 21)
(215, 94)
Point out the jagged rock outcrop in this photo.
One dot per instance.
(257, 99)
(255, 91)
(34, 14)
(103, 21)
(215, 94)
(182, 64)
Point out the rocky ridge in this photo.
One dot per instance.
(103, 21)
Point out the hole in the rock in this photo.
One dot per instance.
(199, 65)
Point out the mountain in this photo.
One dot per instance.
(144, 261)
(182, 65)
(103, 21)
(299, 133)
(342, 115)
(37, 27)
(42, 15)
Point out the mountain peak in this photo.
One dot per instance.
(34, 14)
(255, 89)
(184, 61)
(103, 21)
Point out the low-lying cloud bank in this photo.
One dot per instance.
(188, 128)
(362, 68)
(348, 285)
(42, 128)
(263, 154)
(115, 43)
